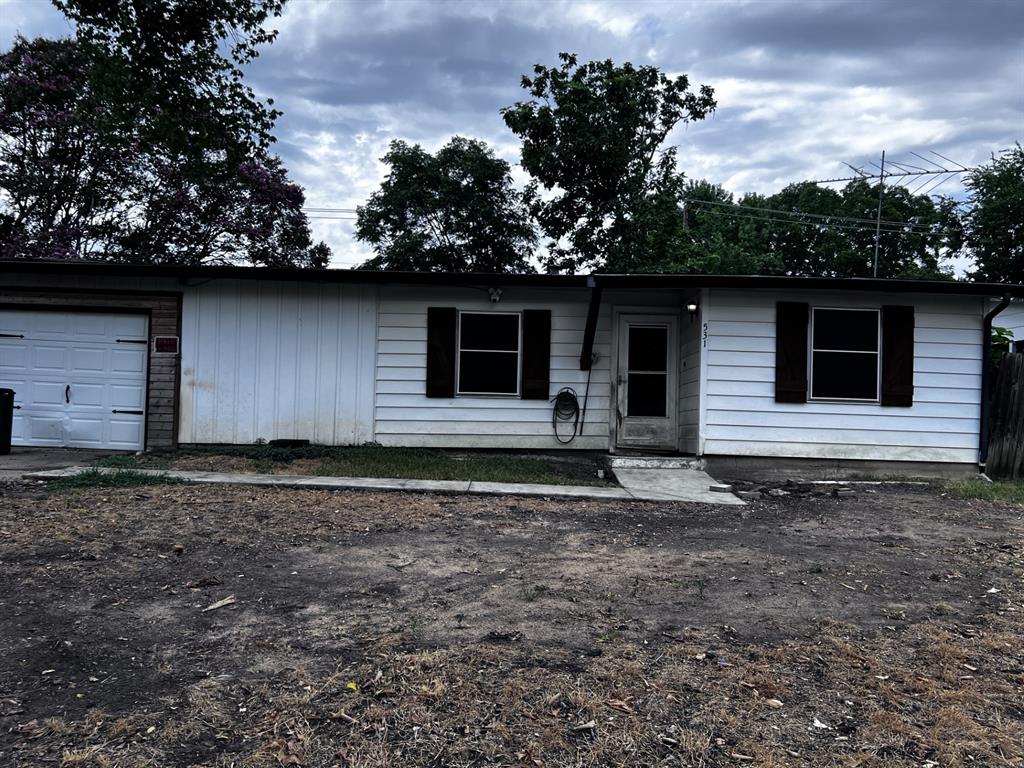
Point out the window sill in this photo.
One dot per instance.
(859, 401)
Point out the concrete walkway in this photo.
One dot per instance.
(21, 459)
(688, 485)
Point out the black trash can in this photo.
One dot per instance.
(6, 420)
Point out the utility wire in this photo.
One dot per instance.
(824, 216)
(859, 228)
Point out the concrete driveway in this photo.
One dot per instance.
(22, 460)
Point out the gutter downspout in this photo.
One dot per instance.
(986, 365)
(587, 352)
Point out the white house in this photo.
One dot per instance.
(735, 369)
(1012, 318)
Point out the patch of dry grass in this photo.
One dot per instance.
(938, 694)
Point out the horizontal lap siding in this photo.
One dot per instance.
(269, 360)
(404, 415)
(743, 419)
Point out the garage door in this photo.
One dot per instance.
(79, 377)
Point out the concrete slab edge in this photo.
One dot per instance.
(364, 483)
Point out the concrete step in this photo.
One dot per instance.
(656, 462)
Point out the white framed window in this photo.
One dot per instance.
(844, 354)
(489, 351)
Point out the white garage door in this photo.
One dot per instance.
(79, 377)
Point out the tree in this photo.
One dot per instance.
(172, 69)
(139, 141)
(809, 230)
(78, 182)
(593, 137)
(454, 211)
(994, 221)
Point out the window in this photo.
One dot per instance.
(488, 351)
(844, 354)
(647, 362)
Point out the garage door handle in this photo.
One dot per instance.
(67, 394)
(12, 335)
(135, 413)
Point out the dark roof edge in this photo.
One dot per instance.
(609, 281)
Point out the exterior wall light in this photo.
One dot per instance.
(692, 307)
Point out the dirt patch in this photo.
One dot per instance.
(407, 629)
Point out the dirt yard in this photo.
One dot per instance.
(361, 629)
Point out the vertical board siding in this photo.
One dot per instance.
(689, 382)
(742, 418)
(268, 360)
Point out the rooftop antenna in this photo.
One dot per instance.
(878, 219)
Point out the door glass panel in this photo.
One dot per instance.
(648, 348)
(645, 394)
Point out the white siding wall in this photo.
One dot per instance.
(404, 415)
(277, 360)
(742, 418)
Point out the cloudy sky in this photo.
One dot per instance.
(802, 87)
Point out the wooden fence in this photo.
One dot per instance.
(1006, 438)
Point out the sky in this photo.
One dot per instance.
(802, 87)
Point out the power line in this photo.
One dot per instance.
(859, 228)
(827, 218)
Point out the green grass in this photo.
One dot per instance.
(982, 489)
(365, 461)
(124, 478)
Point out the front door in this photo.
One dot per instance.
(646, 383)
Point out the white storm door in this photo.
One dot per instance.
(646, 390)
(79, 377)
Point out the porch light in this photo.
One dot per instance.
(691, 307)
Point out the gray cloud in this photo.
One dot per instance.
(802, 86)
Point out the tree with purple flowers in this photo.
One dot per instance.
(138, 142)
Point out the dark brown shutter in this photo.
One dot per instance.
(536, 353)
(790, 352)
(441, 351)
(898, 356)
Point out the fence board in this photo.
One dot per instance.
(1006, 437)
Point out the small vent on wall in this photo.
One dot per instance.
(165, 345)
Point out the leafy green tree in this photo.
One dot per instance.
(993, 225)
(806, 229)
(453, 211)
(172, 69)
(593, 138)
(138, 141)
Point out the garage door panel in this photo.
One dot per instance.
(70, 373)
(86, 395)
(124, 433)
(129, 326)
(41, 392)
(14, 357)
(127, 396)
(130, 361)
(49, 357)
(88, 360)
(15, 321)
(50, 323)
(45, 430)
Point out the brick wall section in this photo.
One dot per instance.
(164, 310)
